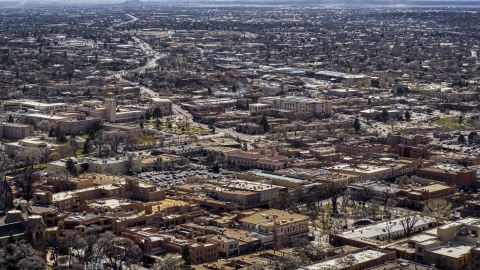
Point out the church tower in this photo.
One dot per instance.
(111, 108)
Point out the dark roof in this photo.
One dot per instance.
(17, 228)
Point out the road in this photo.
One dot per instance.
(177, 110)
(133, 19)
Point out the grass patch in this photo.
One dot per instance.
(78, 153)
(84, 136)
(451, 123)
(192, 130)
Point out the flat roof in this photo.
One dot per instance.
(454, 249)
(360, 257)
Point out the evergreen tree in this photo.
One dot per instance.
(209, 91)
(51, 133)
(157, 113)
(216, 168)
(187, 257)
(234, 88)
(264, 123)
(11, 239)
(407, 116)
(10, 119)
(70, 167)
(147, 115)
(461, 138)
(385, 115)
(356, 124)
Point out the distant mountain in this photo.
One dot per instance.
(132, 3)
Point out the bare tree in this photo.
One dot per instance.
(363, 196)
(336, 227)
(45, 125)
(311, 250)
(100, 142)
(129, 161)
(388, 227)
(5, 162)
(55, 246)
(346, 262)
(285, 263)
(115, 139)
(438, 210)
(334, 189)
(28, 182)
(408, 221)
(119, 251)
(284, 201)
(75, 245)
(59, 180)
(169, 262)
(21, 255)
(29, 156)
(255, 266)
(132, 141)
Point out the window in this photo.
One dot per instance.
(420, 249)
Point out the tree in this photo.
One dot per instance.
(187, 257)
(438, 210)
(45, 126)
(285, 262)
(29, 156)
(211, 157)
(84, 167)
(87, 147)
(234, 88)
(70, 167)
(10, 119)
(20, 256)
(55, 246)
(114, 139)
(461, 138)
(157, 113)
(280, 130)
(385, 115)
(407, 116)
(356, 124)
(147, 116)
(54, 156)
(334, 190)
(264, 123)
(472, 135)
(168, 262)
(363, 196)
(311, 250)
(60, 135)
(408, 221)
(346, 262)
(460, 119)
(210, 91)
(284, 201)
(216, 168)
(119, 252)
(28, 182)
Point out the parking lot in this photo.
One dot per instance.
(176, 177)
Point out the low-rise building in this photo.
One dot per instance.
(285, 227)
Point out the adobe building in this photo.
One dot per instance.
(153, 243)
(451, 174)
(285, 227)
(15, 131)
